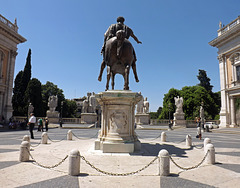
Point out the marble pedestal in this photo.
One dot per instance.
(142, 119)
(117, 133)
(179, 119)
(88, 118)
(53, 116)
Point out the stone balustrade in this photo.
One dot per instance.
(8, 23)
(229, 26)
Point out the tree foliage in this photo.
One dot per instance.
(33, 95)
(155, 115)
(69, 108)
(169, 104)
(50, 89)
(193, 96)
(20, 85)
(204, 80)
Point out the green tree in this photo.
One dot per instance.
(69, 108)
(33, 95)
(204, 80)
(193, 96)
(169, 104)
(155, 115)
(17, 101)
(50, 89)
(20, 85)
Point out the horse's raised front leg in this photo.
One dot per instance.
(108, 77)
(113, 83)
(126, 78)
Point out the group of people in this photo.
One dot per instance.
(32, 121)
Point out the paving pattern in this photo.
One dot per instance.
(225, 173)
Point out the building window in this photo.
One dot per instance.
(238, 73)
(1, 62)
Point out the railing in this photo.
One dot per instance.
(8, 23)
(189, 123)
(229, 26)
(65, 120)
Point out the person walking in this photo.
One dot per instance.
(40, 124)
(199, 131)
(46, 124)
(31, 123)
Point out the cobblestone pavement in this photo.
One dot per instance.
(225, 173)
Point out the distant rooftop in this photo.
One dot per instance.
(12, 26)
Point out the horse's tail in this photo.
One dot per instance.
(120, 39)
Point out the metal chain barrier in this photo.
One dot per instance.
(56, 140)
(189, 168)
(181, 141)
(85, 138)
(149, 139)
(118, 174)
(36, 144)
(194, 145)
(49, 167)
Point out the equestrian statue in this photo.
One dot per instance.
(118, 53)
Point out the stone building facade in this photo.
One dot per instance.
(228, 44)
(9, 39)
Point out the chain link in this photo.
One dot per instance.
(149, 139)
(56, 140)
(49, 167)
(36, 144)
(85, 138)
(189, 168)
(194, 145)
(118, 174)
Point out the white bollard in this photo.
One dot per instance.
(74, 163)
(188, 140)
(163, 137)
(24, 151)
(26, 138)
(44, 138)
(205, 142)
(69, 135)
(210, 159)
(163, 163)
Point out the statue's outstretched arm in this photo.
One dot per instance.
(135, 38)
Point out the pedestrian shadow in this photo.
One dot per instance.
(148, 149)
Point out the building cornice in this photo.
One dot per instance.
(226, 33)
(4, 30)
(225, 37)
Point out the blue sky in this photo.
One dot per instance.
(66, 37)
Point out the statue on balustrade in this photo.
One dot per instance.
(146, 106)
(52, 103)
(179, 104)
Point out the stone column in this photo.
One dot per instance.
(10, 75)
(233, 116)
(222, 71)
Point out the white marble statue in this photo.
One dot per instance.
(93, 102)
(146, 106)
(30, 108)
(201, 112)
(179, 104)
(52, 103)
(140, 105)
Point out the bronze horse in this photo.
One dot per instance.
(119, 57)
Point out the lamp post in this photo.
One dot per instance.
(61, 114)
(169, 105)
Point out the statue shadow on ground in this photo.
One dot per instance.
(148, 149)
